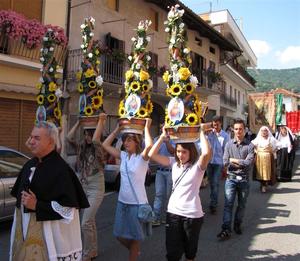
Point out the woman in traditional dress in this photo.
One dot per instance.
(265, 148)
(128, 229)
(286, 154)
(184, 214)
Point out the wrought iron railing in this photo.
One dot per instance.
(228, 100)
(16, 48)
(243, 72)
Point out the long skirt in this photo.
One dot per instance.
(284, 165)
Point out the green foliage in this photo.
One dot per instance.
(268, 79)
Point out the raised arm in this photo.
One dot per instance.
(148, 139)
(71, 134)
(108, 141)
(153, 153)
(99, 129)
(206, 151)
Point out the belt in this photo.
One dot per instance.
(163, 169)
(236, 177)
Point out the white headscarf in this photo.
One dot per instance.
(285, 141)
(261, 141)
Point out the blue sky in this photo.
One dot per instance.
(272, 27)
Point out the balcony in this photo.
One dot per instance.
(228, 101)
(17, 49)
(111, 70)
(242, 72)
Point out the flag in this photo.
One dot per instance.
(278, 117)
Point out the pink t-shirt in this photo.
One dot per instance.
(185, 200)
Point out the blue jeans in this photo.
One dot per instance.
(163, 187)
(233, 188)
(213, 173)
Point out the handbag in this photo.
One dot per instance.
(145, 212)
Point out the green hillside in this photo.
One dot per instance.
(268, 79)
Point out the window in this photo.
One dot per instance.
(198, 67)
(154, 66)
(239, 97)
(235, 94)
(31, 9)
(230, 91)
(212, 50)
(154, 17)
(113, 4)
(212, 66)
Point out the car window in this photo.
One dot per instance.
(11, 163)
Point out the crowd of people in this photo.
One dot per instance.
(56, 207)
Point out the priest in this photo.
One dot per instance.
(49, 195)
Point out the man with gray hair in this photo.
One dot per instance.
(49, 196)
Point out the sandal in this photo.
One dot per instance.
(224, 234)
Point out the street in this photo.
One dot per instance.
(271, 228)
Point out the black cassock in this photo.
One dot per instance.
(53, 180)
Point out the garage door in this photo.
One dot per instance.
(16, 119)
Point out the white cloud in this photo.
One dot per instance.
(289, 55)
(260, 48)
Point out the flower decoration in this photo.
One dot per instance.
(90, 80)
(137, 102)
(31, 32)
(184, 108)
(48, 98)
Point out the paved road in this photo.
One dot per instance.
(271, 228)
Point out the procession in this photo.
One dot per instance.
(153, 122)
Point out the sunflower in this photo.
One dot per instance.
(142, 112)
(51, 97)
(96, 102)
(88, 111)
(89, 73)
(168, 92)
(57, 113)
(40, 99)
(145, 87)
(149, 106)
(192, 119)
(128, 75)
(80, 87)
(78, 75)
(166, 77)
(144, 75)
(39, 85)
(100, 93)
(184, 73)
(189, 88)
(168, 122)
(121, 111)
(92, 84)
(176, 89)
(135, 86)
(52, 86)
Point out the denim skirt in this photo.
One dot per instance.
(127, 224)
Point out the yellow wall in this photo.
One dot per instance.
(55, 12)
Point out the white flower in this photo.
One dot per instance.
(45, 39)
(140, 41)
(58, 93)
(82, 46)
(193, 80)
(186, 50)
(167, 30)
(150, 82)
(99, 80)
(172, 40)
(130, 58)
(148, 57)
(138, 66)
(49, 30)
(181, 25)
(92, 20)
(180, 12)
(176, 77)
(41, 79)
(133, 39)
(138, 46)
(82, 26)
(50, 69)
(91, 34)
(174, 68)
(42, 59)
(90, 55)
(51, 49)
(45, 51)
(41, 49)
(136, 75)
(148, 38)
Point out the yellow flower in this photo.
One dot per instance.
(96, 102)
(184, 73)
(80, 87)
(145, 87)
(122, 110)
(189, 60)
(88, 110)
(168, 92)
(52, 86)
(40, 99)
(89, 73)
(149, 106)
(142, 112)
(97, 52)
(100, 93)
(192, 119)
(189, 88)
(167, 120)
(51, 97)
(128, 75)
(57, 113)
(166, 77)
(175, 89)
(92, 84)
(78, 75)
(144, 75)
(39, 85)
(135, 86)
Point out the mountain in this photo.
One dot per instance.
(268, 79)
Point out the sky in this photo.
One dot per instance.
(272, 28)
